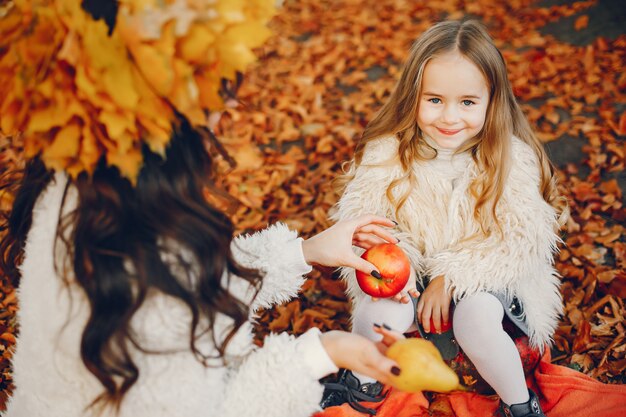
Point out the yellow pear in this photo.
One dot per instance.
(422, 368)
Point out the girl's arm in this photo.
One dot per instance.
(518, 261)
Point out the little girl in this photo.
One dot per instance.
(453, 159)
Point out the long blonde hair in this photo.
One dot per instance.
(490, 148)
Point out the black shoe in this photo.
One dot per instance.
(348, 389)
(530, 408)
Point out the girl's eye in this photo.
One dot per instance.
(434, 100)
(467, 102)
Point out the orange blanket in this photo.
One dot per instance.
(563, 392)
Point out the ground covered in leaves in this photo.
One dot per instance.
(328, 68)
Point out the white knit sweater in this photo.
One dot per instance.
(438, 215)
(278, 380)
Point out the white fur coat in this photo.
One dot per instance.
(278, 380)
(438, 215)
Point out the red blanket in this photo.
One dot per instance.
(563, 392)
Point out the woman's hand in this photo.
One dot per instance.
(434, 303)
(333, 246)
(355, 352)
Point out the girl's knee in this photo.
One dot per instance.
(475, 336)
(478, 309)
(476, 320)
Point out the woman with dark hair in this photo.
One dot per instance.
(134, 298)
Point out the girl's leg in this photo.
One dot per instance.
(396, 315)
(477, 326)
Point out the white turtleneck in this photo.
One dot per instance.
(448, 163)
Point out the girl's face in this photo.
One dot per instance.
(453, 102)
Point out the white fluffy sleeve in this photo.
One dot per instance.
(277, 253)
(280, 379)
(520, 262)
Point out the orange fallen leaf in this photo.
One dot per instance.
(583, 337)
(581, 22)
(622, 125)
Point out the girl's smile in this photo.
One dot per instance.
(449, 132)
(453, 101)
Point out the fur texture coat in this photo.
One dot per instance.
(278, 380)
(438, 216)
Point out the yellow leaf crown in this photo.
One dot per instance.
(79, 89)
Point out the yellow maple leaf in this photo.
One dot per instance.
(195, 46)
(89, 151)
(156, 67)
(129, 162)
(44, 119)
(252, 34)
(233, 57)
(63, 147)
(208, 87)
(117, 123)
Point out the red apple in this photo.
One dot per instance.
(394, 268)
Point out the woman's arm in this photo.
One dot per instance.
(284, 258)
(277, 253)
(281, 379)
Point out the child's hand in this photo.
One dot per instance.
(333, 246)
(435, 304)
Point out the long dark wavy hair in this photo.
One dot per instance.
(116, 225)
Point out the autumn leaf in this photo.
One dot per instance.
(581, 22)
(583, 337)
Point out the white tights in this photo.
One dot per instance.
(477, 326)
